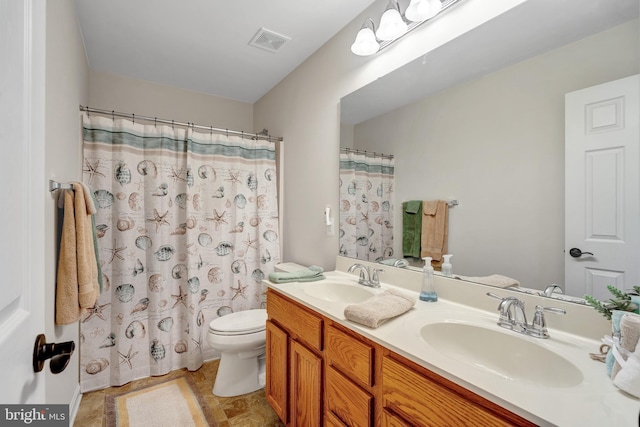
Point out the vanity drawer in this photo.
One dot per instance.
(420, 400)
(301, 323)
(350, 355)
(348, 402)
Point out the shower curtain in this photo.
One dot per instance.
(366, 205)
(187, 228)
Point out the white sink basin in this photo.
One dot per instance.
(503, 353)
(338, 292)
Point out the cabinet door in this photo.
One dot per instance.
(276, 386)
(306, 387)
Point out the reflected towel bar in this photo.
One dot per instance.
(54, 185)
(453, 203)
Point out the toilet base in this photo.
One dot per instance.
(239, 374)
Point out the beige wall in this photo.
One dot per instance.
(128, 95)
(67, 85)
(497, 145)
(304, 109)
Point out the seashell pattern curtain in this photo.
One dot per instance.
(187, 228)
(366, 205)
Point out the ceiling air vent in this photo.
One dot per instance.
(268, 40)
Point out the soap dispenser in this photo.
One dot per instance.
(447, 269)
(428, 291)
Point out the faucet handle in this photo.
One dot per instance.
(375, 276)
(538, 327)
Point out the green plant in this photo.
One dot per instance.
(621, 301)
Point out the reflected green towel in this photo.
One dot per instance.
(411, 228)
(310, 274)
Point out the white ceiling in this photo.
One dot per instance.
(203, 45)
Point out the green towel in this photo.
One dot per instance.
(310, 274)
(411, 228)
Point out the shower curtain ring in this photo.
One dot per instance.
(211, 130)
(171, 124)
(113, 115)
(155, 122)
(133, 118)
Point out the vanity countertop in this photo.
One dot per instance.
(593, 402)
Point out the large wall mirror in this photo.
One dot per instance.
(482, 120)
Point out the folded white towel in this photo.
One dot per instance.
(378, 309)
(493, 280)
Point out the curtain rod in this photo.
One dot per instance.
(355, 150)
(263, 135)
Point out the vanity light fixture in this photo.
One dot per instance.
(394, 25)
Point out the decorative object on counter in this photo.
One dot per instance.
(435, 230)
(492, 280)
(622, 301)
(626, 368)
(428, 292)
(447, 268)
(378, 309)
(310, 274)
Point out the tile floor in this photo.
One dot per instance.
(248, 410)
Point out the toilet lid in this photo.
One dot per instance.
(241, 322)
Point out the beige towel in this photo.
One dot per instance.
(493, 280)
(77, 278)
(435, 230)
(629, 336)
(378, 309)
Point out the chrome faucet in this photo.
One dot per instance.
(512, 316)
(551, 289)
(366, 278)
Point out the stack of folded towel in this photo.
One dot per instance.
(626, 367)
(378, 309)
(310, 274)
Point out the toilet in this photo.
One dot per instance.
(241, 340)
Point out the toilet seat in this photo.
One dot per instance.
(239, 323)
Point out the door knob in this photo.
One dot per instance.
(577, 253)
(59, 353)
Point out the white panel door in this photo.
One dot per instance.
(602, 188)
(22, 57)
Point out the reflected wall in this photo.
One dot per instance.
(496, 144)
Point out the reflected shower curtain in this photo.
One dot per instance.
(366, 205)
(187, 228)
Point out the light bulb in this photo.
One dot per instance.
(421, 10)
(392, 25)
(365, 43)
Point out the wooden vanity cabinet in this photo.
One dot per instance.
(294, 375)
(321, 373)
